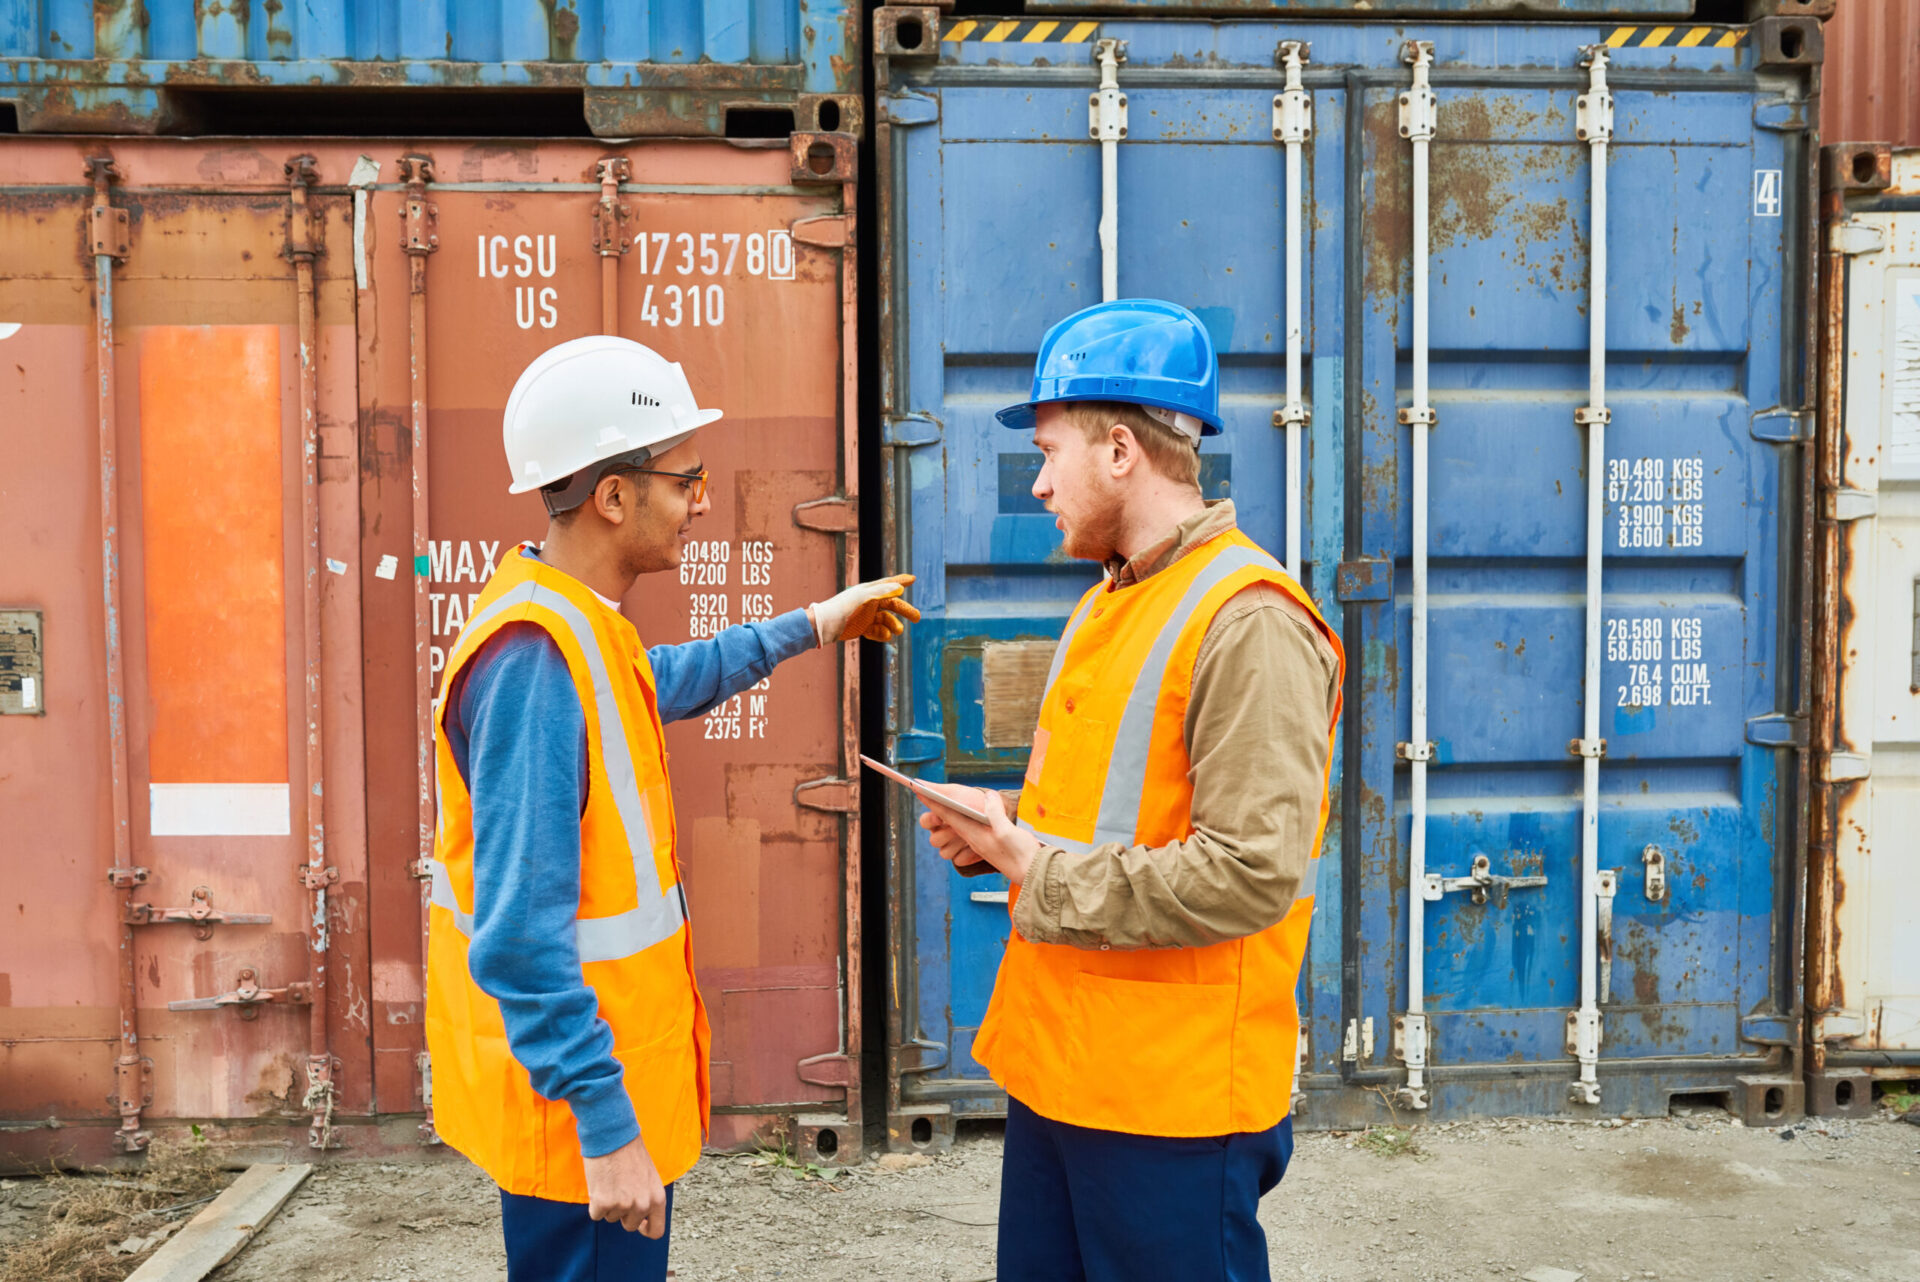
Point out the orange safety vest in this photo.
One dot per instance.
(636, 952)
(1168, 1041)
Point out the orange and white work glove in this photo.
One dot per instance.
(877, 610)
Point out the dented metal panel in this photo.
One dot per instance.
(736, 260)
(113, 66)
(1864, 962)
(1708, 174)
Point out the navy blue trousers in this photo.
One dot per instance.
(557, 1242)
(1080, 1205)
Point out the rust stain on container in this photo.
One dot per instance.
(717, 279)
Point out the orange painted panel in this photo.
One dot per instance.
(210, 466)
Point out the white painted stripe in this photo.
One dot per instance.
(220, 809)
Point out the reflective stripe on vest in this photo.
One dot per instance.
(660, 914)
(1126, 779)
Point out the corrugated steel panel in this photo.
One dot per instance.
(1707, 284)
(201, 435)
(745, 278)
(1864, 954)
(644, 69)
(1870, 89)
(737, 262)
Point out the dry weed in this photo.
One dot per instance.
(99, 1229)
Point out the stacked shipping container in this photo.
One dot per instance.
(284, 363)
(301, 350)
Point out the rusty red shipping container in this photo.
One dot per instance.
(252, 395)
(1870, 87)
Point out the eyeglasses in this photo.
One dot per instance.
(699, 479)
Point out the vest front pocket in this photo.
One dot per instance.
(1159, 1055)
(1075, 772)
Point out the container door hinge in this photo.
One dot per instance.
(839, 796)
(1780, 115)
(1777, 730)
(108, 230)
(1366, 579)
(132, 1092)
(419, 217)
(248, 997)
(910, 109)
(1410, 1047)
(1846, 767)
(835, 1068)
(1293, 109)
(912, 746)
(1107, 105)
(1781, 426)
(912, 429)
(126, 878)
(829, 515)
(829, 231)
(1848, 504)
(610, 235)
(1770, 1030)
(917, 1056)
(1853, 237)
(199, 914)
(1839, 1026)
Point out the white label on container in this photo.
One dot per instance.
(388, 567)
(1658, 502)
(219, 809)
(1903, 383)
(1766, 193)
(29, 693)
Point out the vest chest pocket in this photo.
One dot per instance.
(1068, 767)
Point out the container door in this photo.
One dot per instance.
(1704, 247)
(1876, 764)
(735, 273)
(201, 409)
(996, 205)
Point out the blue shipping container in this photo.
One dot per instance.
(665, 67)
(992, 194)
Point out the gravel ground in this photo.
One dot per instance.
(1672, 1199)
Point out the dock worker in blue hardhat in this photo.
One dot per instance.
(1162, 849)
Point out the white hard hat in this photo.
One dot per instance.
(591, 400)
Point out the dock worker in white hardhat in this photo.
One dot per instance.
(568, 1040)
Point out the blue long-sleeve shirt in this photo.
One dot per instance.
(518, 736)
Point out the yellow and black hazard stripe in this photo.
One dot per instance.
(1020, 31)
(1676, 37)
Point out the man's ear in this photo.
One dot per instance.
(610, 500)
(1124, 450)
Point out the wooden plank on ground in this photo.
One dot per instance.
(227, 1223)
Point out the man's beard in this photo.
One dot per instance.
(1094, 537)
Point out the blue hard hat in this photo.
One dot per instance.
(1139, 350)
